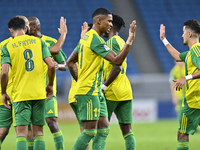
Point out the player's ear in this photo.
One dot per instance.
(26, 28)
(99, 19)
(11, 30)
(190, 34)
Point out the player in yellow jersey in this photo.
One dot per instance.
(89, 54)
(55, 48)
(190, 109)
(117, 88)
(6, 115)
(178, 71)
(71, 95)
(28, 93)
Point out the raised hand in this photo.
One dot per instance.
(63, 26)
(162, 32)
(84, 28)
(132, 29)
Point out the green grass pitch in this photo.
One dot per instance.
(159, 135)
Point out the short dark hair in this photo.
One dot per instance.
(16, 23)
(90, 26)
(101, 11)
(193, 24)
(118, 22)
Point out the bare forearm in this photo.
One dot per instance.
(73, 70)
(196, 75)
(173, 52)
(56, 47)
(118, 59)
(113, 75)
(4, 82)
(71, 63)
(51, 74)
(62, 66)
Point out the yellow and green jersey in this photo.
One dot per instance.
(9, 86)
(177, 72)
(59, 58)
(192, 65)
(120, 89)
(25, 55)
(71, 96)
(91, 51)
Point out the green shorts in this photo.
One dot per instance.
(5, 117)
(88, 107)
(27, 112)
(74, 106)
(189, 119)
(122, 109)
(103, 107)
(51, 109)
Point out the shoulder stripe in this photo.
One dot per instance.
(196, 51)
(100, 39)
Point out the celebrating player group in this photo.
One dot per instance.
(99, 86)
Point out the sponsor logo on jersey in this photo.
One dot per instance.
(106, 47)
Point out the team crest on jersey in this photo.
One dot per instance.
(106, 47)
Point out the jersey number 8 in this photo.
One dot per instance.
(29, 64)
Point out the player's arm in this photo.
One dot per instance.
(51, 69)
(63, 31)
(179, 83)
(71, 63)
(51, 75)
(4, 83)
(118, 59)
(172, 51)
(59, 61)
(112, 76)
(61, 66)
(5, 61)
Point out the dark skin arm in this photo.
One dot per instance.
(4, 83)
(118, 59)
(62, 67)
(63, 31)
(51, 75)
(71, 63)
(113, 75)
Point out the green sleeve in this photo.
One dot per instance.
(114, 45)
(77, 48)
(45, 50)
(183, 55)
(195, 57)
(51, 43)
(5, 56)
(99, 46)
(60, 57)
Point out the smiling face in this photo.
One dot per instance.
(106, 23)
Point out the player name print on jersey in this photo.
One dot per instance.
(24, 43)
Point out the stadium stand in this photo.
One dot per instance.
(49, 13)
(172, 14)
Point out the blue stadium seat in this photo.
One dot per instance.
(49, 13)
(172, 14)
